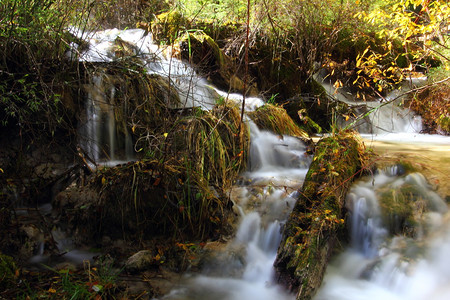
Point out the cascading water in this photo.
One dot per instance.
(265, 199)
(387, 117)
(278, 167)
(99, 136)
(378, 267)
(373, 267)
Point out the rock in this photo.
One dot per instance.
(317, 219)
(140, 261)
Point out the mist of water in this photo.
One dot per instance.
(377, 266)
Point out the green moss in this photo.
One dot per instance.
(444, 123)
(275, 118)
(318, 212)
(397, 209)
(168, 25)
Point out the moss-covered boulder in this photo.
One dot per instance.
(317, 219)
(275, 118)
(405, 202)
(317, 111)
(167, 26)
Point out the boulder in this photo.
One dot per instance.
(317, 220)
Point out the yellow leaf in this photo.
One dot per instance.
(380, 88)
(51, 290)
(165, 134)
(103, 180)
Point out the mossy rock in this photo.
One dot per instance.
(202, 51)
(317, 219)
(398, 210)
(177, 191)
(142, 200)
(316, 111)
(167, 26)
(405, 201)
(221, 33)
(275, 118)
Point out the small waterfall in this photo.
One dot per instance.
(388, 115)
(278, 167)
(99, 136)
(367, 231)
(379, 267)
(245, 269)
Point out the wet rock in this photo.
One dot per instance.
(316, 222)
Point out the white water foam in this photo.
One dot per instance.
(399, 268)
(279, 165)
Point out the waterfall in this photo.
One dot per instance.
(265, 198)
(373, 267)
(388, 115)
(377, 266)
(98, 131)
(99, 137)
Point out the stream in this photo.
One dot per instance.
(378, 266)
(264, 198)
(374, 266)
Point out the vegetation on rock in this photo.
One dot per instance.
(317, 219)
(275, 118)
(433, 105)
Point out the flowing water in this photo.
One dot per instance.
(374, 266)
(266, 195)
(377, 266)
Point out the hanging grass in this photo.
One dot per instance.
(213, 147)
(180, 193)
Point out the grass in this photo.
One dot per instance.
(275, 118)
(98, 282)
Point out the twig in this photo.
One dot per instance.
(246, 67)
